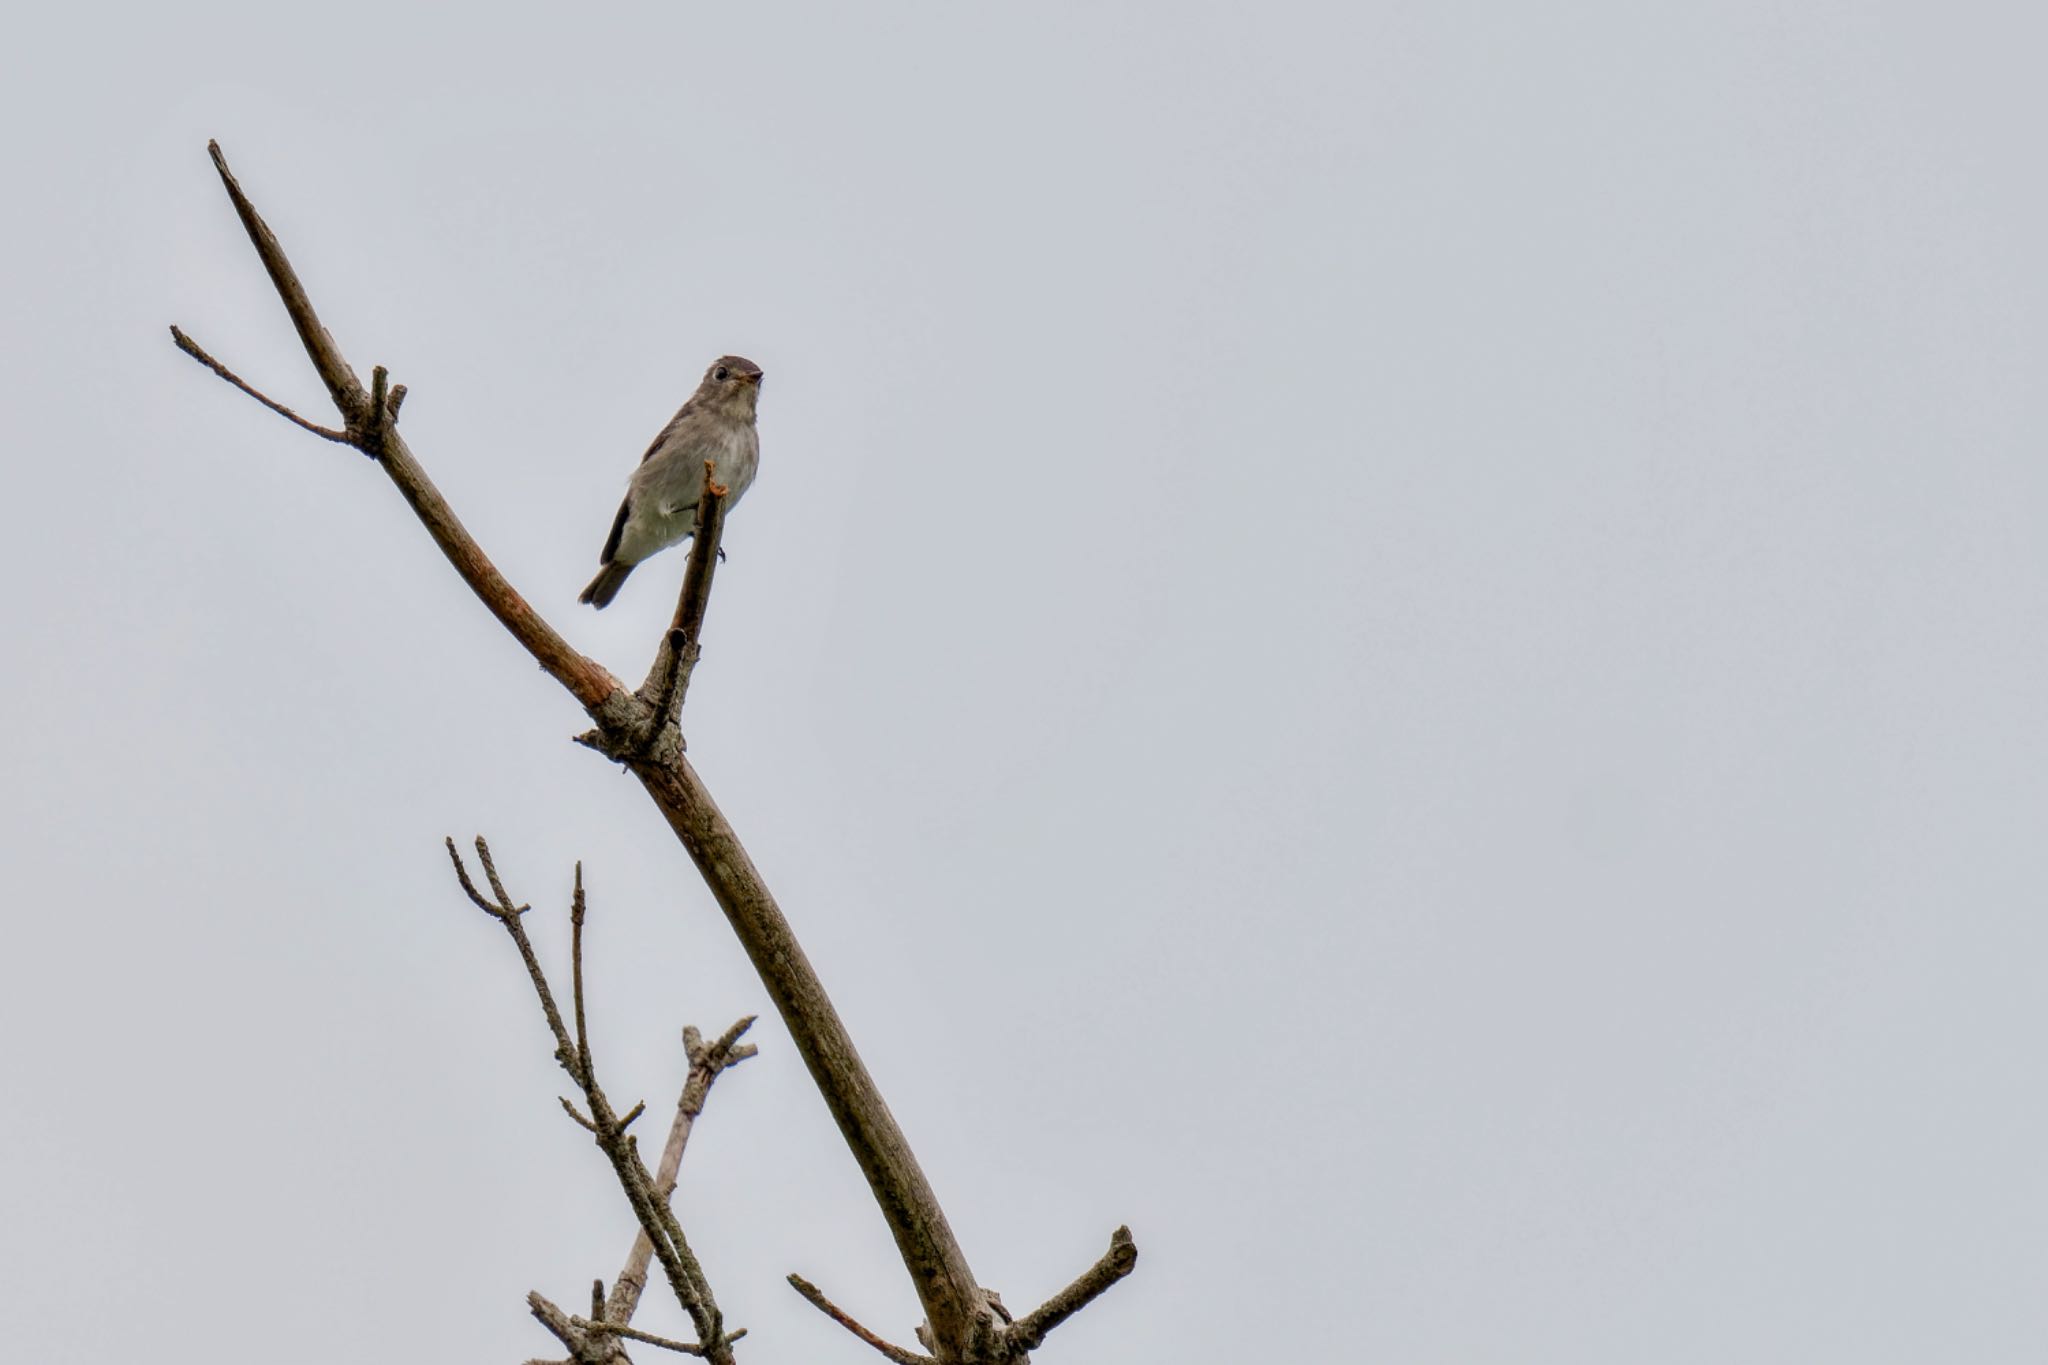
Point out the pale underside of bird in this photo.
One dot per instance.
(660, 509)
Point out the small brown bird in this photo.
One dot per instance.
(660, 509)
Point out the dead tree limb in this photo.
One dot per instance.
(1028, 1332)
(628, 729)
(377, 436)
(668, 681)
(816, 1296)
(679, 1264)
(597, 1343)
(708, 1061)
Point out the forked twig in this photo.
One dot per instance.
(657, 1220)
(372, 432)
(596, 1343)
(334, 371)
(707, 1063)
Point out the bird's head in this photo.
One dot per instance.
(732, 384)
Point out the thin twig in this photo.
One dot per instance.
(668, 680)
(198, 353)
(707, 1063)
(576, 968)
(468, 886)
(342, 384)
(635, 1334)
(483, 855)
(832, 1311)
(378, 418)
(508, 914)
(679, 1264)
(598, 691)
(1028, 1333)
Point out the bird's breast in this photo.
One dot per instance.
(737, 462)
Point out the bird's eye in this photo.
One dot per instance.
(721, 373)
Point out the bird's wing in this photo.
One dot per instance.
(611, 542)
(667, 431)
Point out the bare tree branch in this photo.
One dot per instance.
(198, 353)
(1029, 1333)
(668, 681)
(596, 1343)
(831, 1310)
(634, 1334)
(576, 969)
(938, 1267)
(584, 1347)
(342, 384)
(707, 1063)
(374, 435)
(575, 1114)
(946, 1288)
(679, 1264)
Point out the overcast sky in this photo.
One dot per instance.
(1401, 644)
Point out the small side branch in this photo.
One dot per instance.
(333, 369)
(597, 1343)
(657, 1220)
(503, 910)
(198, 353)
(634, 1334)
(708, 1061)
(1028, 1333)
(668, 681)
(576, 969)
(833, 1311)
(369, 424)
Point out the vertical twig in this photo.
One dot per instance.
(707, 1063)
(679, 1263)
(576, 969)
(668, 680)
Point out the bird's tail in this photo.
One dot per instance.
(605, 586)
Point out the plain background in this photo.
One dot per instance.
(1400, 644)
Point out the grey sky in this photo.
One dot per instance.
(1400, 645)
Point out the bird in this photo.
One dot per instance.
(660, 510)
